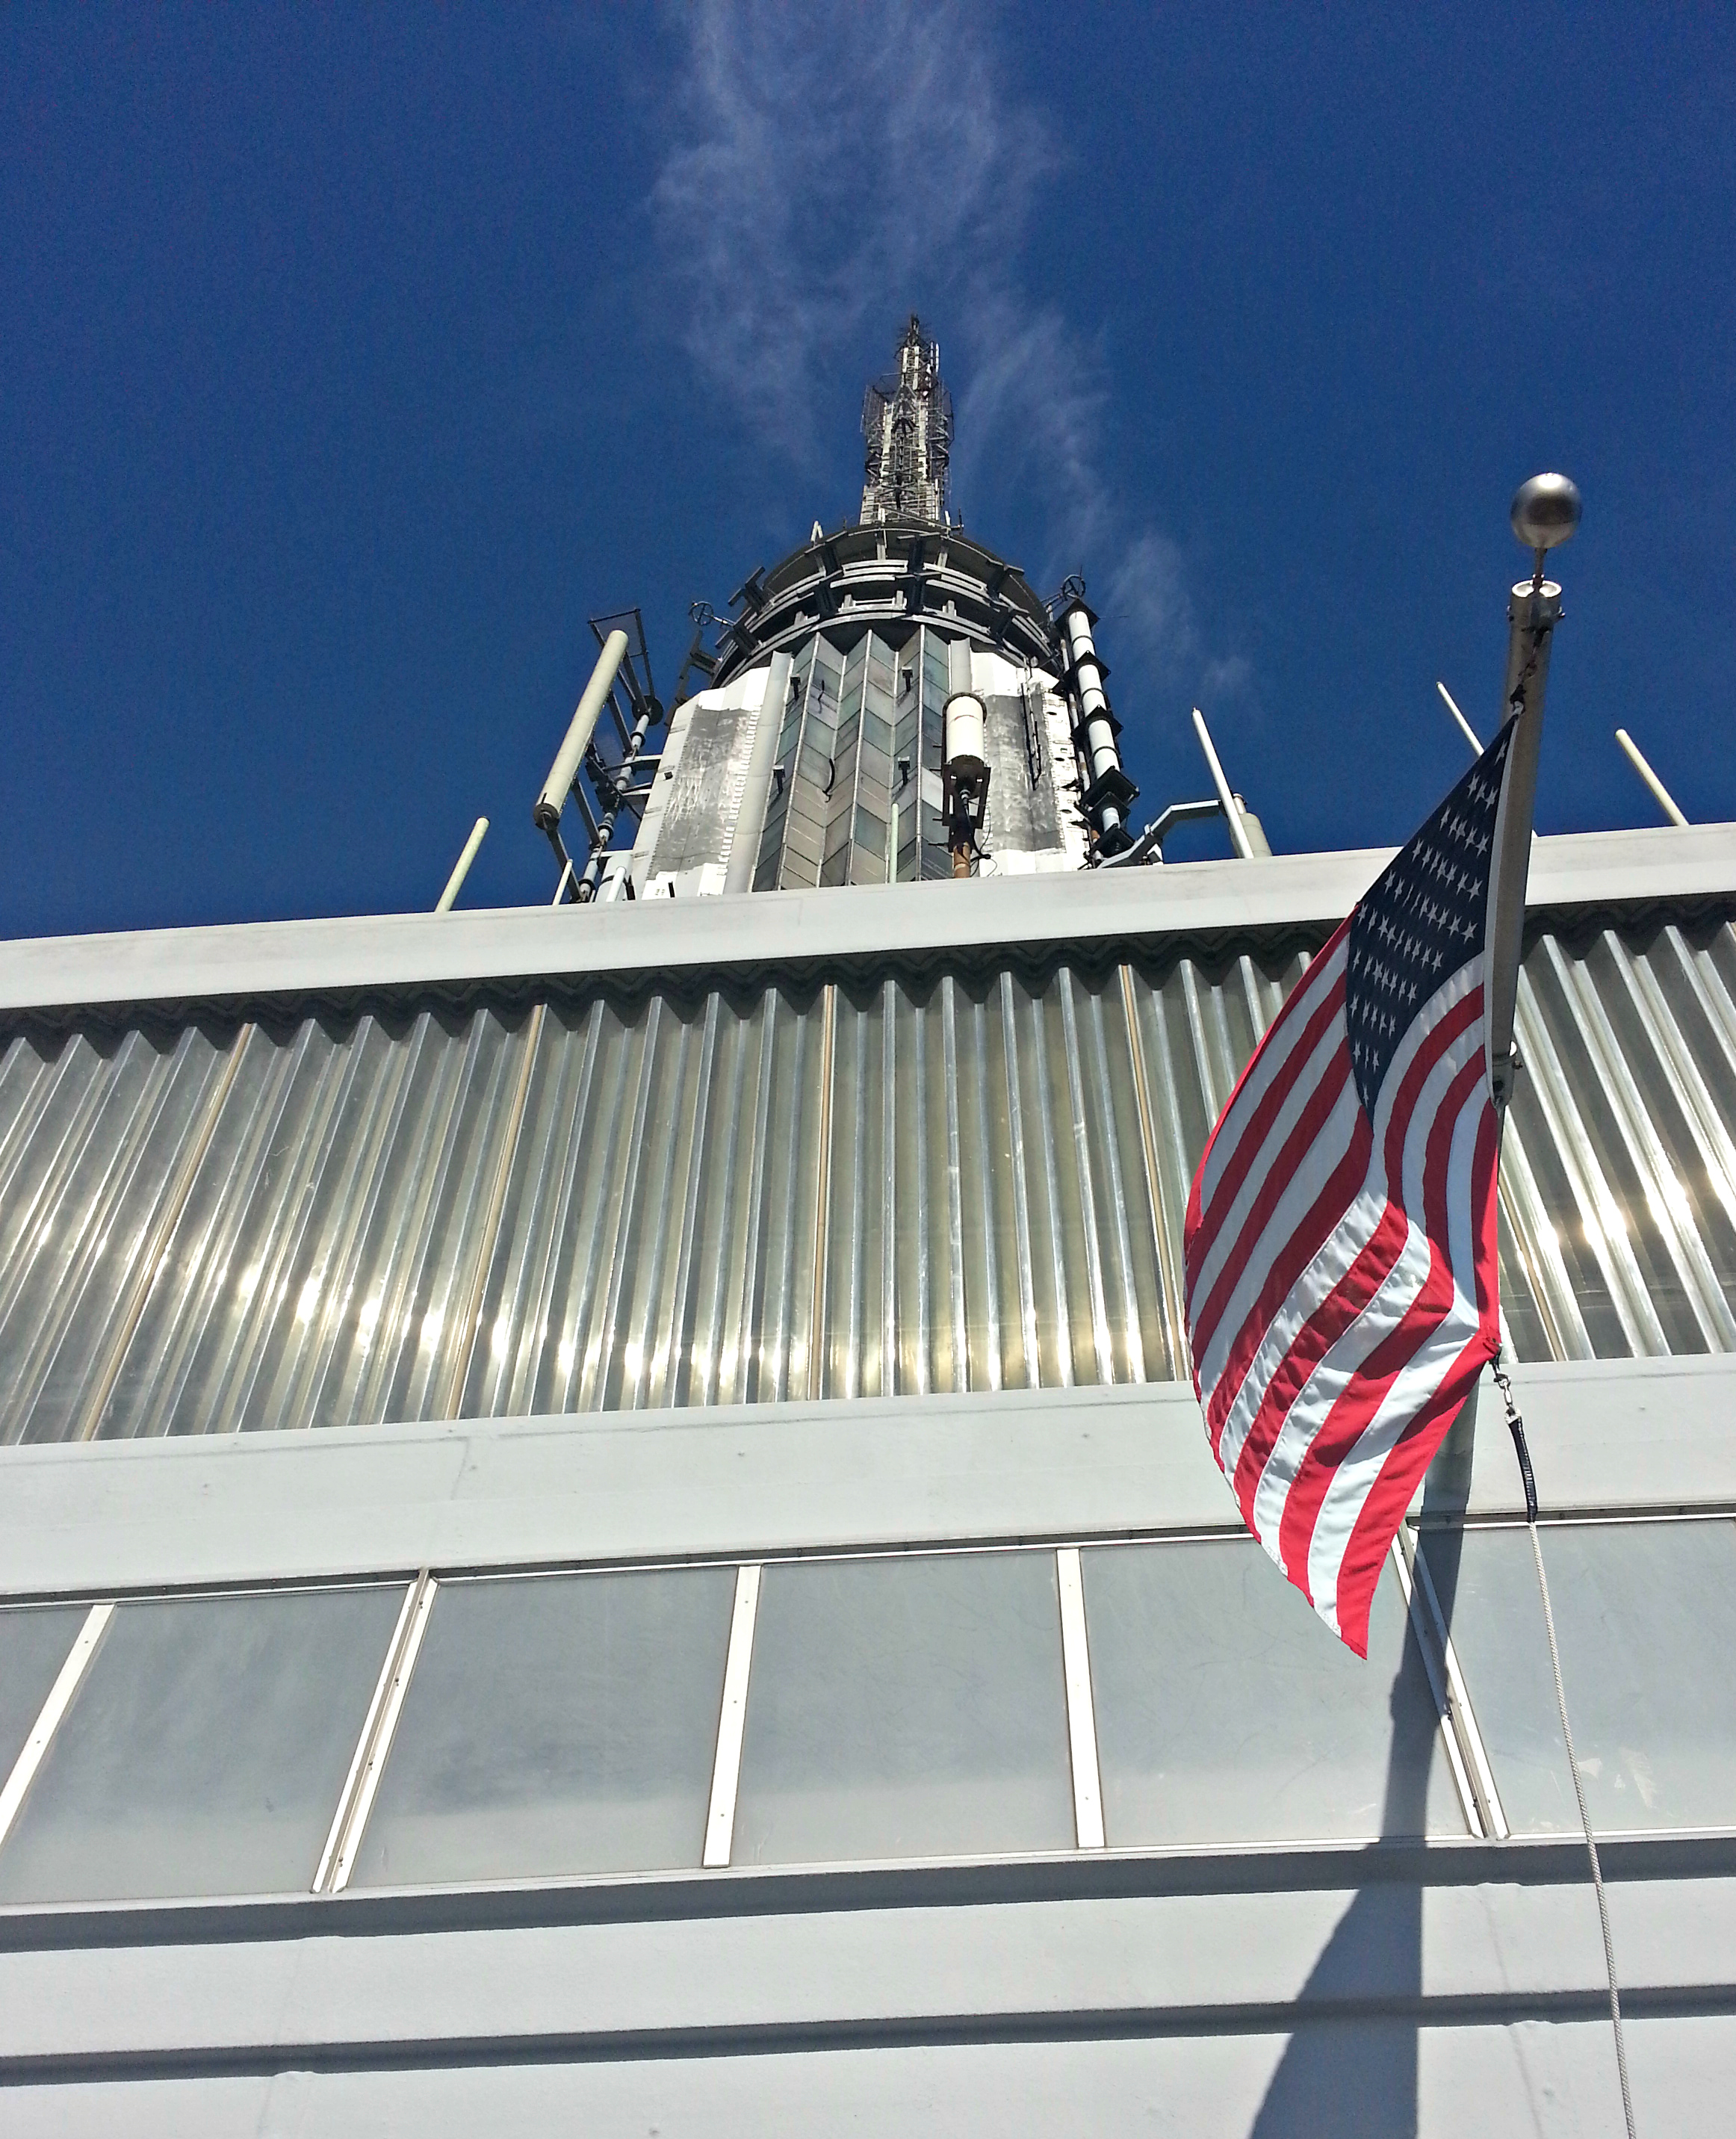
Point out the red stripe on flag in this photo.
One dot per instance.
(1375, 1257)
(1336, 1315)
(1432, 1305)
(1384, 1504)
(1251, 1135)
(1280, 1169)
(1325, 1214)
(1292, 1007)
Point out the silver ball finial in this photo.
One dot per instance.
(1545, 511)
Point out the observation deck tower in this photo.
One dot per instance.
(818, 752)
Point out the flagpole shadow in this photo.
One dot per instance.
(1355, 2075)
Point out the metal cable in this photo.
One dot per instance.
(1516, 1426)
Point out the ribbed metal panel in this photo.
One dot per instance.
(972, 1181)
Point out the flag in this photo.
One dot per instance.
(1339, 1250)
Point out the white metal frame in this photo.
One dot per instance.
(337, 1860)
(48, 1718)
(720, 1822)
(1088, 1789)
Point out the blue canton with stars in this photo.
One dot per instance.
(1422, 920)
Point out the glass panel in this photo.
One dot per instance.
(1646, 1615)
(906, 1707)
(205, 1750)
(1226, 1713)
(35, 1640)
(555, 1726)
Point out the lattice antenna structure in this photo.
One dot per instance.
(907, 426)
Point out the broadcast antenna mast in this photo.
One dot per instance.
(907, 423)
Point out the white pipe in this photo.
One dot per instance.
(1464, 727)
(461, 867)
(556, 789)
(1666, 800)
(1101, 748)
(1226, 801)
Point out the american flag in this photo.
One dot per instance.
(1340, 1243)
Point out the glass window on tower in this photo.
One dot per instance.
(555, 1726)
(908, 1706)
(204, 1749)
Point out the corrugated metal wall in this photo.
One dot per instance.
(970, 1182)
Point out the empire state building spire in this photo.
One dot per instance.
(907, 423)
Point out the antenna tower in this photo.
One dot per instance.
(907, 425)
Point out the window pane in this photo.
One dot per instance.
(1226, 1713)
(906, 1707)
(205, 1750)
(34, 1643)
(553, 1726)
(1646, 1615)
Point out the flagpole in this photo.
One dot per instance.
(1545, 513)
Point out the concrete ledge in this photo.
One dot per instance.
(1656, 1435)
(255, 961)
(1176, 1965)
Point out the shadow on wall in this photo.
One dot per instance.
(1357, 2077)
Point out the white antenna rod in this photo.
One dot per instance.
(1665, 799)
(552, 801)
(1465, 728)
(1238, 837)
(461, 867)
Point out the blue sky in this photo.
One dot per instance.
(352, 359)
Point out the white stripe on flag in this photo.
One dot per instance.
(1310, 1077)
(1282, 1038)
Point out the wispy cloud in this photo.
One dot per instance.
(831, 164)
(824, 160)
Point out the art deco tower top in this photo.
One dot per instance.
(907, 423)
